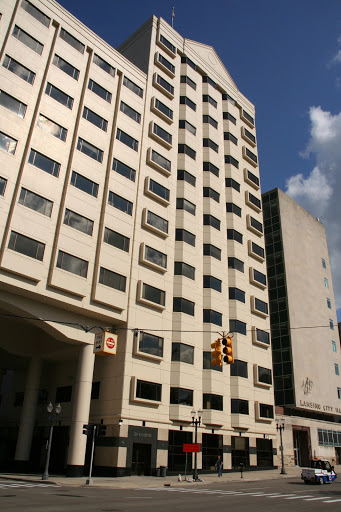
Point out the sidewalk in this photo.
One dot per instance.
(150, 481)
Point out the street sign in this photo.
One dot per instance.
(105, 344)
(191, 447)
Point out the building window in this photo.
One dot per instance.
(27, 40)
(232, 234)
(183, 269)
(248, 136)
(148, 390)
(212, 402)
(212, 317)
(207, 80)
(44, 163)
(163, 62)
(256, 250)
(239, 406)
(257, 277)
(116, 239)
(133, 87)
(185, 125)
(130, 112)
(253, 201)
(236, 294)
(265, 412)
(339, 393)
(159, 161)
(331, 324)
(329, 304)
(59, 96)
(239, 369)
(181, 305)
(233, 208)
(209, 192)
(155, 257)
(52, 128)
(160, 133)
(236, 326)
(189, 62)
(186, 101)
(36, 13)
(151, 344)
(161, 108)
(186, 80)
(229, 117)
(210, 220)
(230, 160)
(208, 119)
(127, 139)
(182, 353)
(254, 225)
(326, 283)
(182, 235)
(65, 66)
(212, 282)
(120, 203)
(164, 86)
(7, 143)
(167, 44)
(72, 264)
(152, 294)
(157, 222)
(247, 117)
(235, 263)
(18, 69)
(123, 169)
(84, 184)
(251, 178)
(112, 279)
(264, 376)
(90, 150)
(334, 346)
(207, 363)
(324, 263)
(158, 190)
(259, 306)
(71, 40)
(186, 176)
(76, 221)
(63, 394)
(35, 202)
(208, 99)
(183, 148)
(12, 104)
(231, 183)
(3, 183)
(208, 143)
(262, 337)
(212, 250)
(99, 90)
(95, 119)
(232, 138)
(184, 204)
(207, 166)
(104, 65)
(251, 157)
(27, 246)
(181, 396)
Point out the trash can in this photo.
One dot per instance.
(163, 470)
(157, 472)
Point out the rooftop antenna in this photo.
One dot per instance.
(173, 16)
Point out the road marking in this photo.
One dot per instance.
(331, 501)
(281, 496)
(299, 497)
(315, 499)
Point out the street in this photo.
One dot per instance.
(265, 495)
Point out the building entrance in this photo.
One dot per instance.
(141, 460)
(302, 447)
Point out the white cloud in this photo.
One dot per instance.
(320, 192)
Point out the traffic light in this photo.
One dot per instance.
(216, 355)
(228, 350)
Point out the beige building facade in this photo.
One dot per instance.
(304, 331)
(130, 201)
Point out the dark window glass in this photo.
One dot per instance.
(212, 282)
(236, 264)
(127, 139)
(59, 96)
(156, 257)
(116, 239)
(181, 396)
(259, 277)
(95, 119)
(65, 66)
(208, 143)
(72, 264)
(123, 169)
(148, 390)
(185, 125)
(99, 90)
(163, 108)
(227, 97)
(183, 353)
(27, 40)
(207, 80)
(36, 13)
(254, 200)
(209, 220)
(3, 183)
(230, 182)
(208, 99)
(181, 305)
(249, 135)
(239, 406)
(248, 117)
(261, 306)
(44, 163)
(239, 369)
(157, 222)
(263, 336)
(18, 69)
(253, 178)
(212, 317)
(104, 65)
(255, 224)
(264, 375)
(210, 120)
(133, 87)
(90, 150)
(52, 128)
(163, 134)
(112, 279)
(84, 184)
(7, 143)
(165, 62)
(63, 394)
(186, 60)
(186, 80)
(238, 327)
(209, 192)
(26, 246)
(79, 222)
(71, 40)
(230, 160)
(158, 189)
(232, 234)
(236, 294)
(165, 85)
(229, 117)
(95, 390)
(151, 344)
(232, 138)
(212, 402)
(207, 166)
(258, 250)
(184, 204)
(207, 363)
(181, 235)
(12, 104)
(233, 208)
(186, 176)
(251, 155)
(35, 202)
(120, 203)
(161, 160)
(153, 294)
(186, 101)
(130, 112)
(183, 269)
(168, 44)
(266, 411)
(212, 250)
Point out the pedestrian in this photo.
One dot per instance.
(219, 465)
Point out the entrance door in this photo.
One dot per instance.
(141, 460)
(301, 446)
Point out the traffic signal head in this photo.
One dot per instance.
(228, 350)
(216, 355)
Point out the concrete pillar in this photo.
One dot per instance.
(80, 411)
(28, 412)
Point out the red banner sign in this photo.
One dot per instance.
(191, 447)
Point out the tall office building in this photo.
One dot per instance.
(130, 200)
(304, 333)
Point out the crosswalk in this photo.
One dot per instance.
(16, 484)
(268, 495)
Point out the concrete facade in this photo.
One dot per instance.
(131, 202)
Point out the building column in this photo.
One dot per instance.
(28, 412)
(80, 411)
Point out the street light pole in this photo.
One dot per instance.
(52, 417)
(281, 428)
(196, 422)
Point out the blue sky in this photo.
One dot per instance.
(286, 58)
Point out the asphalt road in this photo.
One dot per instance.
(265, 496)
